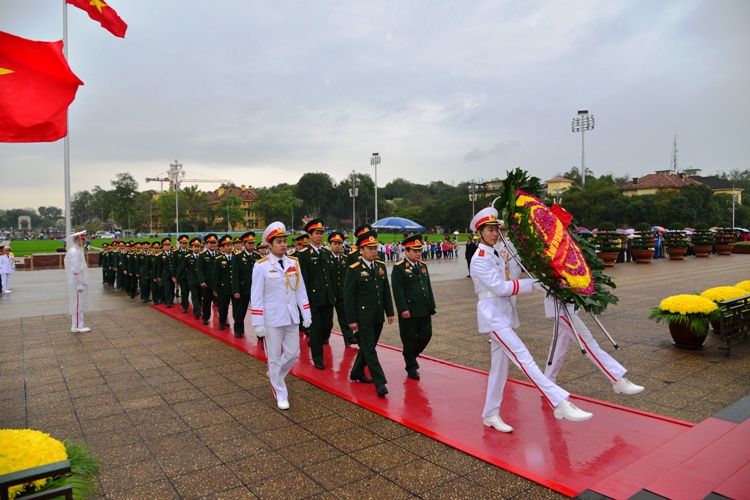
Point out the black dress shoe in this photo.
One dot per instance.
(239, 335)
(362, 379)
(326, 342)
(184, 310)
(197, 316)
(382, 390)
(414, 374)
(205, 321)
(169, 306)
(347, 343)
(221, 326)
(320, 366)
(260, 343)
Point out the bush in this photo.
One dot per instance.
(608, 226)
(675, 238)
(701, 226)
(643, 226)
(644, 237)
(676, 226)
(607, 241)
(702, 235)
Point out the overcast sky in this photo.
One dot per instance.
(261, 92)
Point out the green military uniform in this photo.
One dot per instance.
(205, 272)
(243, 263)
(412, 293)
(178, 263)
(103, 263)
(119, 262)
(164, 271)
(318, 274)
(127, 257)
(222, 282)
(367, 299)
(156, 290)
(134, 271)
(190, 269)
(340, 266)
(145, 272)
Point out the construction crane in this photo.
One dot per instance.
(162, 180)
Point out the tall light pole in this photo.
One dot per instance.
(375, 161)
(353, 193)
(176, 174)
(734, 199)
(581, 123)
(473, 195)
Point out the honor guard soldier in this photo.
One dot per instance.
(180, 278)
(301, 242)
(165, 271)
(338, 259)
(242, 280)
(354, 254)
(262, 249)
(237, 242)
(190, 269)
(103, 263)
(118, 265)
(318, 275)
(415, 303)
(278, 298)
(495, 283)
(126, 269)
(222, 280)
(367, 299)
(206, 274)
(138, 258)
(145, 272)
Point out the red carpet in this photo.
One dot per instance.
(446, 404)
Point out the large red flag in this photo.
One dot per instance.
(36, 88)
(102, 13)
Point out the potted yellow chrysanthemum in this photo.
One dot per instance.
(688, 317)
(719, 294)
(745, 285)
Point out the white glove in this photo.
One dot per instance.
(80, 287)
(306, 323)
(260, 331)
(537, 285)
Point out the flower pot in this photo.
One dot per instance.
(682, 338)
(676, 253)
(609, 258)
(740, 249)
(724, 248)
(715, 326)
(643, 256)
(702, 250)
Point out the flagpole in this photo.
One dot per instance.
(66, 140)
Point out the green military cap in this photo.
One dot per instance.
(195, 241)
(250, 235)
(225, 239)
(414, 241)
(183, 237)
(361, 229)
(368, 238)
(336, 236)
(211, 237)
(314, 225)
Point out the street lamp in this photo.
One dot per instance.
(353, 193)
(583, 122)
(558, 197)
(473, 195)
(734, 201)
(375, 161)
(300, 203)
(176, 174)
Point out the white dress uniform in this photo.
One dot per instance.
(497, 317)
(613, 370)
(7, 267)
(278, 295)
(77, 274)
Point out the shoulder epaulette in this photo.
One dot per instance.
(237, 252)
(293, 257)
(422, 261)
(379, 261)
(354, 265)
(262, 260)
(203, 251)
(399, 262)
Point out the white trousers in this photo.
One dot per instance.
(611, 369)
(6, 282)
(77, 318)
(282, 348)
(506, 345)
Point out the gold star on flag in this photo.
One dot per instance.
(98, 4)
(4, 71)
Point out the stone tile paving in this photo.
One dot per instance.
(175, 414)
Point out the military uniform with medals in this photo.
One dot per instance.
(339, 271)
(242, 281)
(190, 269)
(178, 263)
(222, 281)
(205, 272)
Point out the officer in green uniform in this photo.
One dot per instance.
(165, 271)
(367, 299)
(156, 295)
(205, 272)
(125, 266)
(178, 264)
(103, 262)
(415, 303)
(222, 280)
(134, 270)
(117, 264)
(190, 269)
(145, 271)
(318, 274)
(354, 253)
(338, 259)
(242, 279)
(300, 245)
(237, 242)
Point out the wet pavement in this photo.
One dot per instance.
(174, 413)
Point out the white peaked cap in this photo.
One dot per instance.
(485, 216)
(272, 230)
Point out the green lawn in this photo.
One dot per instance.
(21, 248)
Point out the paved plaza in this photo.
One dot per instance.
(174, 413)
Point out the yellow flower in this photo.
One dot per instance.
(688, 304)
(745, 285)
(721, 293)
(26, 448)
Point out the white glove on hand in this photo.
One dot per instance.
(260, 331)
(306, 323)
(80, 287)
(537, 285)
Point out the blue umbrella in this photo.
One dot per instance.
(397, 224)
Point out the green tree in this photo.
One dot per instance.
(230, 209)
(52, 213)
(278, 206)
(196, 204)
(125, 191)
(315, 189)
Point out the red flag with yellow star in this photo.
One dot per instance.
(103, 14)
(36, 88)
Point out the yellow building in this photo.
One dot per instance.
(656, 183)
(247, 194)
(558, 185)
